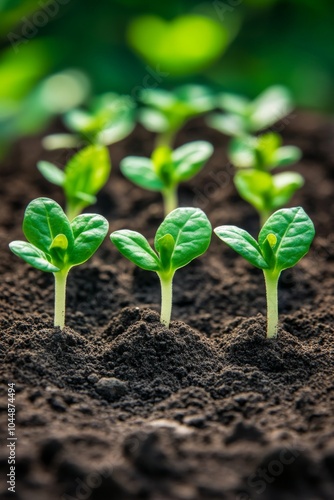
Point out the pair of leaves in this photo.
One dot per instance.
(109, 119)
(183, 235)
(84, 175)
(264, 152)
(54, 243)
(244, 116)
(167, 168)
(166, 111)
(267, 192)
(283, 240)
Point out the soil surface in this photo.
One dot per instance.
(117, 406)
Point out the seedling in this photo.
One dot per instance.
(244, 117)
(55, 245)
(267, 192)
(84, 175)
(167, 112)
(109, 119)
(166, 169)
(264, 152)
(184, 235)
(283, 240)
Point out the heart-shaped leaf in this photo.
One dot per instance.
(243, 243)
(294, 232)
(136, 248)
(141, 171)
(189, 159)
(89, 231)
(191, 231)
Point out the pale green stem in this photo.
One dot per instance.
(264, 216)
(72, 210)
(271, 281)
(165, 139)
(60, 297)
(170, 199)
(166, 298)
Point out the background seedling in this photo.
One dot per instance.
(166, 169)
(166, 112)
(109, 119)
(55, 245)
(283, 240)
(184, 235)
(84, 175)
(243, 116)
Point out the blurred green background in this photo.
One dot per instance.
(54, 54)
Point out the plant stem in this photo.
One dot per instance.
(165, 139)
(166, 298)
(170, 199)
(271, 281)
(264, 216)
(72, 210)
(60, 297)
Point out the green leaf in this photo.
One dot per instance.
(58, 141)
(286, 156)
(228, 124)
(241, 152)
(89, 231)
(87, 172)
(284, 186)
(51, 172)
(136, 248)
(256, 187)
(190, 158)
(233, 103)
(165, 247)
(33, 256)
(191, 231)
(294, 232)
(141, 172)
(153, 120)
(270, 107)
(243, 243)
(43, 220)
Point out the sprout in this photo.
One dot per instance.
(283, 240)
(55, 245)
(84, 175)
(246, 117)
(184, 235)
(167, 112)
(109, 119)
(167, 169)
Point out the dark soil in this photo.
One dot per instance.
(117, 406)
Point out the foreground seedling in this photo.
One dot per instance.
(166, 169)
(109, 119)
(55, 245)
(84, 175)
(184, 235)
(243, 116)
(283, 240)
(166, 112)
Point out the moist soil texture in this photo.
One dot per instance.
(116, 406)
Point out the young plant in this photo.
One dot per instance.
(267, 192)
(283, 240)
(109, 119)
(84, 175)
(243, 116)
(166, 169)
(55, 244)
(263, 152)
(184, 235)
(166, 112)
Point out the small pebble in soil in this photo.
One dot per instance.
(111, 388)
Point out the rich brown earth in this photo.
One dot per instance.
(117, 406)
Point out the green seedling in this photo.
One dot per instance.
(264, 152)
(166, 169)
(55, 244)
(166, 112)
(84, 175)
(267, 192)
(243, 116)
(184, 235)
(283, 240)
(109, 119)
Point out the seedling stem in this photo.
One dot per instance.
(166, 297)
(60, 297)
(271, 281)
(170, 199)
